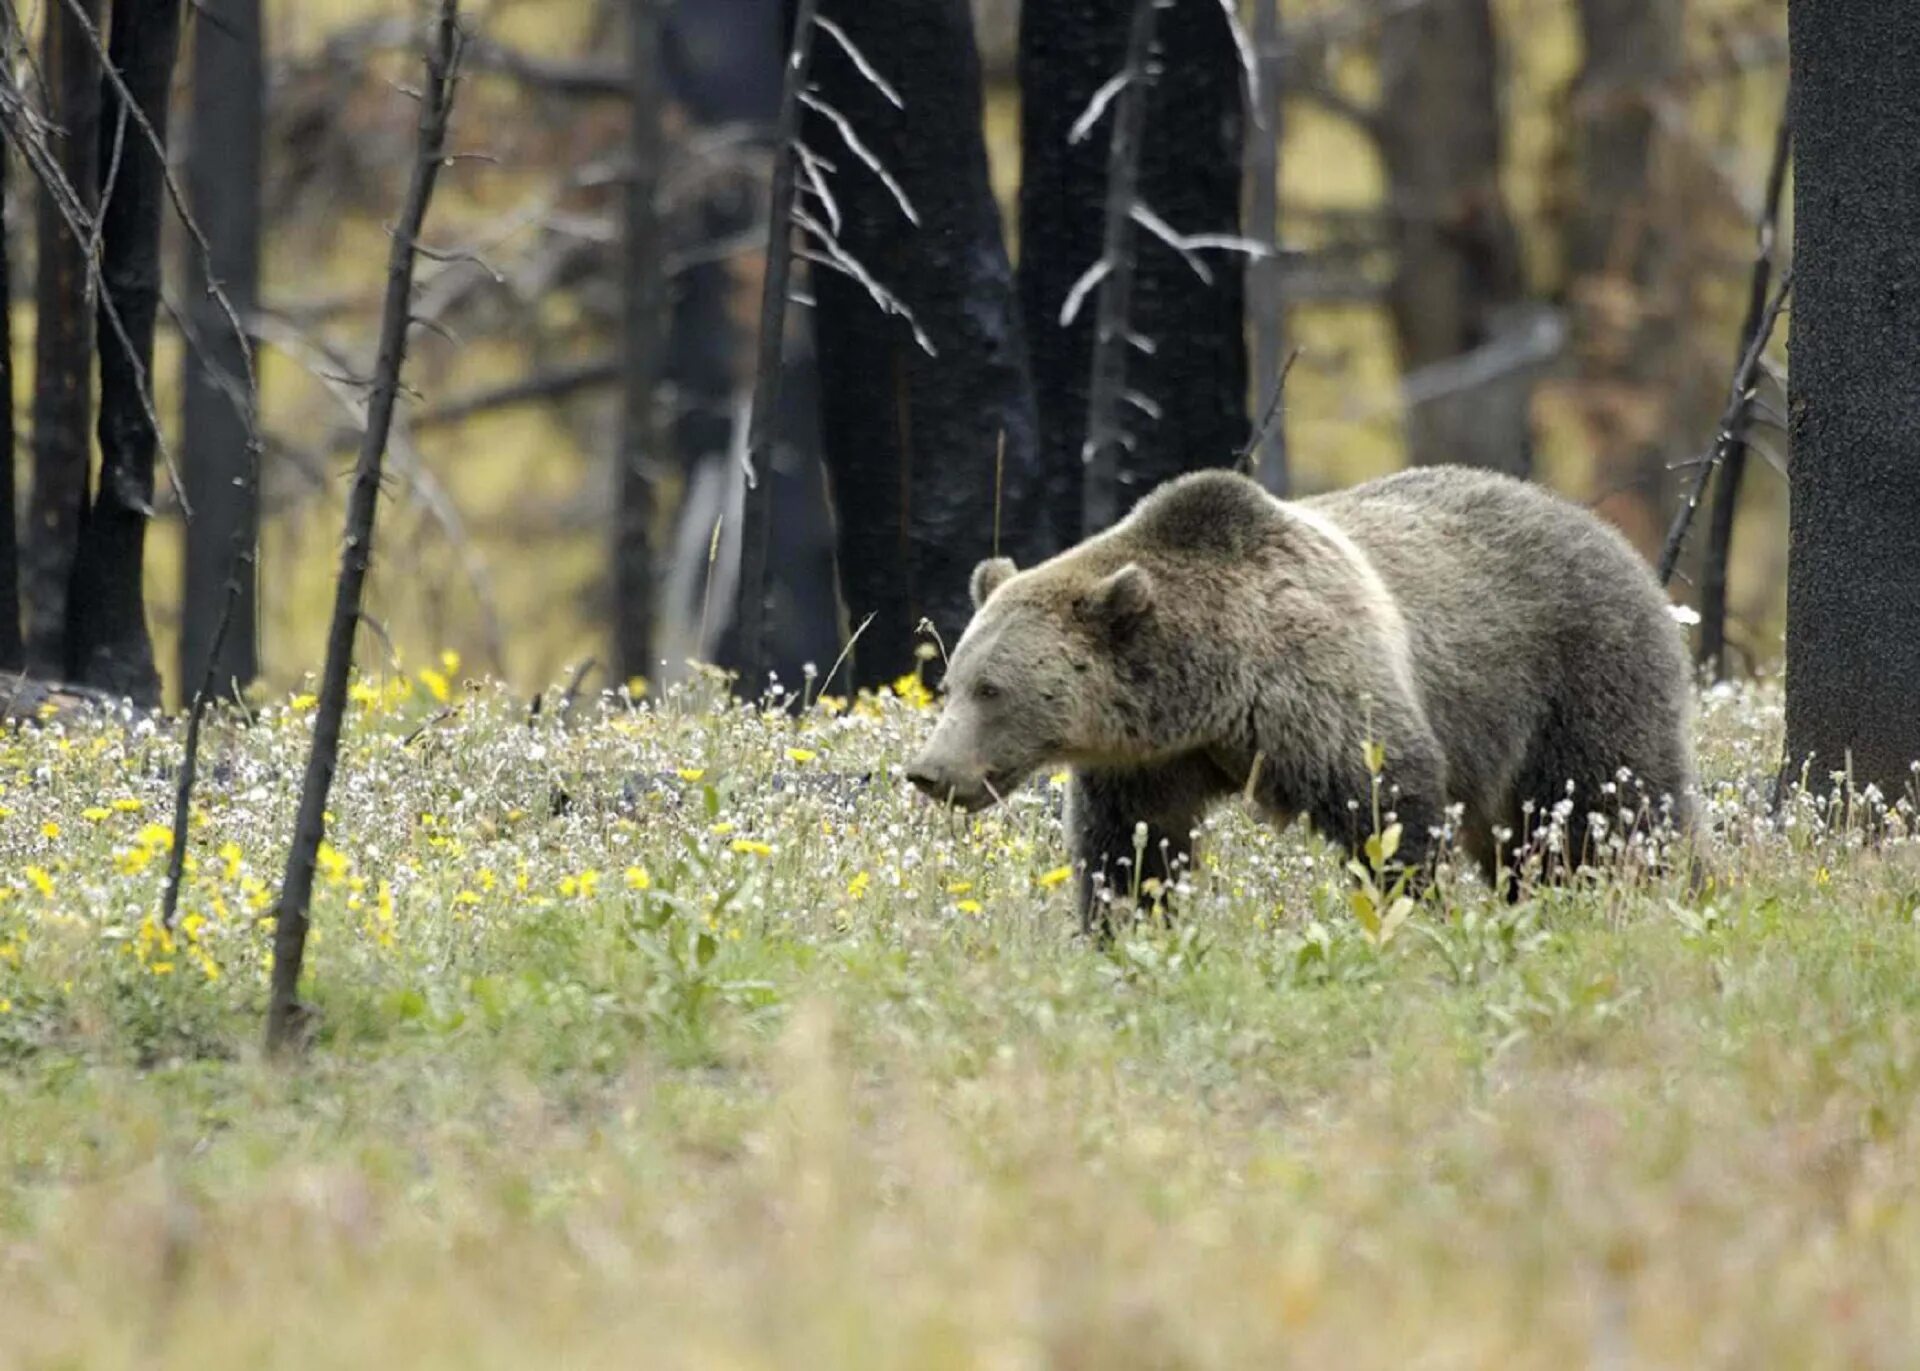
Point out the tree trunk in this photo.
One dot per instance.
(13, 655)
(912, 440)
(1853, 598)
(1459, 286)
(109, 647)
(1188, 396)
(643, 319)
(63, 340)
(223, 188)
(1626, 265)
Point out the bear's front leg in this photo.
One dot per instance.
(1105, 808)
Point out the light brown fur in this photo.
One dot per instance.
(1499, 642)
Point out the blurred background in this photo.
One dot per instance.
(1535, 217)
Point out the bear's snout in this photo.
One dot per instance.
(949, 785)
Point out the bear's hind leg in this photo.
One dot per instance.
(1105, 810)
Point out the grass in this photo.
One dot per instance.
(661, 1038)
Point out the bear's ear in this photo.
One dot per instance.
(989, 576)
(1121, 600)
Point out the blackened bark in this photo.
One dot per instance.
(1459, 282)
(643, 319)
(910, 439)
(223, 169)
(1625, 262)
(108, 645)
(12, 649)
(1853, 599)
(756, 514)
(1196, 375)
(1107, 433)
(63, 340)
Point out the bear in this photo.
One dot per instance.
(1509, 650)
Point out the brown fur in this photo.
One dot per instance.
(1498, 641)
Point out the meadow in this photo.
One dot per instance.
(680, 1033)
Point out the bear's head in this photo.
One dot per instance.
(1033, 680)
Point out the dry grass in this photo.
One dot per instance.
(832, 1085)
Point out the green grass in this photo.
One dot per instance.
(833, 1084)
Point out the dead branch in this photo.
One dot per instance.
(1726, 490)
(286, 1016)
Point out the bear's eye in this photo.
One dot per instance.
(986, 690)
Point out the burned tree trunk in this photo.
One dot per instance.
(1458, 299)
(108, 645)
(643, 320)
(12, 649)
(1853, 600)
(217, 402)
(63, 338)
(286, 1016)
(917, 407)
(1187, 386)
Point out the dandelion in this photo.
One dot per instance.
(692, 773)
(857, 887)
(450, 662)
(50, 829)
(968, 906)
(758, 849)
(911, 689)
(302, 702)
(435, 683)
(94, 814)
(1049, 879)
(801, 755)
(230, 855)
(959, 887)
(638, 879)
(38, 878)
(127, 804)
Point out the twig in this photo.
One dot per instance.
(286, 1016)
(1266, 296)
(757, 509)
(1249, 458)
(1100, 493)
(1730, 424)
(553, 384)
(1726, 490)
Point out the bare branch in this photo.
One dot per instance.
(866, 68)
(862, 151)
(1096, 107)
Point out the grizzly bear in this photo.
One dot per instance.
(1509, 650)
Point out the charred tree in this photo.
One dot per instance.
(925, 414)
(1459, 288)
(1853, 600)
(217, 456)
(12, 649)
(1186, 376)
(108, 645)
(286, 1016)
(1625, 261)
(63, 338)
(642, 322)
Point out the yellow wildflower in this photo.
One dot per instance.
(127, 804)
(857, 887)
(302, 702)
(1050, 879)
(230, 854)
(802, 755)
(38, 878)
(969, 906)
(435, 683)
(638, 879)
(450, 661)
(758, 849)
(49, 829)
(692, 773)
